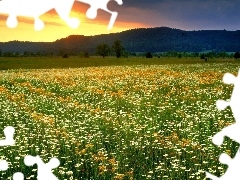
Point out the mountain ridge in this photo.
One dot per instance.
(157, 39)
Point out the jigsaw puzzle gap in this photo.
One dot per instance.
(102, 5)
(231, 131)
(18, 176)
(3, 165)
(9, 133)
(44, 171)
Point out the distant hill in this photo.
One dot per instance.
(160, 39)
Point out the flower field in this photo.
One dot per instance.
(117, 122)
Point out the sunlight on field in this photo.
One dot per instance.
(128, 122)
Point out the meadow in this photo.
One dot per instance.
(57, 62)
(136, 121)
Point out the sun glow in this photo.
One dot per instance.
(55, 28)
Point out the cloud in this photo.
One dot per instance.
(182, 14)
(186, 14)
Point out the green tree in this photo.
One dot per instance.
(118, 48)
(149, 55)
(103, 50)
(222, 54)
(17, 54)
(125, 54)
(81, 54)
(65, 55)
(61, 52)
(202, 56)
(195, 54)
(38, 54)
(86, 55)
(237, 55)
(180, 55)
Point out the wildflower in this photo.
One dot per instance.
(119, 176)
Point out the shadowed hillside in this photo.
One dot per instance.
(138, 40)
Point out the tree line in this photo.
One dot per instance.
(117, 49)
(201, 55)
(102, 49)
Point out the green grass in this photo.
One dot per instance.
(75, 62)
(116, 122)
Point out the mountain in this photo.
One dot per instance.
(159, 39)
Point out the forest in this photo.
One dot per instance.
(141, 40)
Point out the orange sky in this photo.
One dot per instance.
(180, 14)
(55, 28)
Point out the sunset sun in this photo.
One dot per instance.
(56, 28)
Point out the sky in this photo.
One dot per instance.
(179, 14)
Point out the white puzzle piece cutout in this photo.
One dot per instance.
(232, 131)
(3, 165)
(8, 141)
(101, 4)
(35, 8)
(8, 132)
(233, 172)
(18, 176)
(44, 171)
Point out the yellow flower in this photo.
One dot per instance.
(101, 169)
(112, 161)
(228, 152)
(89, 145)
(82, 152)
(119, 176)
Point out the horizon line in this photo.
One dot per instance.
(121, 32)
